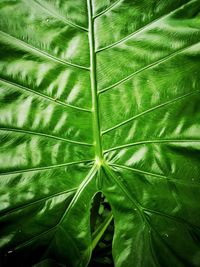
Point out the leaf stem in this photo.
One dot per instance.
(101, 230)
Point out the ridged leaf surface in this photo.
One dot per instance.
(100, 95)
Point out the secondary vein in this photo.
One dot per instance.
(41, 52)
(143, 28)
(155, 141)
(107, 9)
(46, 97)
(151, 65)
(58, 16)
(150, 110)
(23, 131)
(44, 168)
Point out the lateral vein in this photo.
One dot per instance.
(107, 9)
(160, 61)
(44, 135)
(59, 17)
(152, 142)
(155, 175)
(43, 53)
(149, 110)
(55, 101)
(46, 167)
(142, 29)
(5, 213)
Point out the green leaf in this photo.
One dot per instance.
(100, 96)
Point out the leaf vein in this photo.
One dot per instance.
(87, 179)
(150, 110)
(142, 29)
(43, 53)
(160, 61)
(159, 176)
(5, 213)
(107, 9)
(55, 101)
(46, 167)
(59, 17)
(45, 135)
(174, 218)
(152, 142)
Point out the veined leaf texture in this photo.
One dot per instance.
(100, 96)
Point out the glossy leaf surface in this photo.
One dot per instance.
(100, 95)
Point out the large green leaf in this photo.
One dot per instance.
(100, 95)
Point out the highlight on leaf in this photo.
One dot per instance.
(99, 133)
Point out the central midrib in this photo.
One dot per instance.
(93, 79)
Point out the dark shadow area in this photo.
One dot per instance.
(102, 253)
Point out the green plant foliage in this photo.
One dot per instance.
(100, 96)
